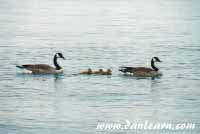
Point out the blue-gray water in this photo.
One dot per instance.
(98, 34)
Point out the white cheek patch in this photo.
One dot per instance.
(154, 59)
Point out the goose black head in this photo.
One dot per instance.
(156, 59)
(60, 55)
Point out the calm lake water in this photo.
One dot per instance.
(98, 34)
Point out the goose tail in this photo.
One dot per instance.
(20, 66)
(126, 69)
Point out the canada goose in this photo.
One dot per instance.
(143, 71)
(89, 71)
(44, 68)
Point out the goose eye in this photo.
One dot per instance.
(157, 59)
(60, 55)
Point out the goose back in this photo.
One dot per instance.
(41, 68)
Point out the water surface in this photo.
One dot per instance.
(98, 34)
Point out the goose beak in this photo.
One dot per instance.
(63, 58)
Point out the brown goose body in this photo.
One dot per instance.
(44, 68)
(146, 72)
(143, 71)
(41, 68)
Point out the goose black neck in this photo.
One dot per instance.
(153, 65)
(55, 63)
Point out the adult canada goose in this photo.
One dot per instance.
(44, 68)
(89, 71)
(143, 71)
